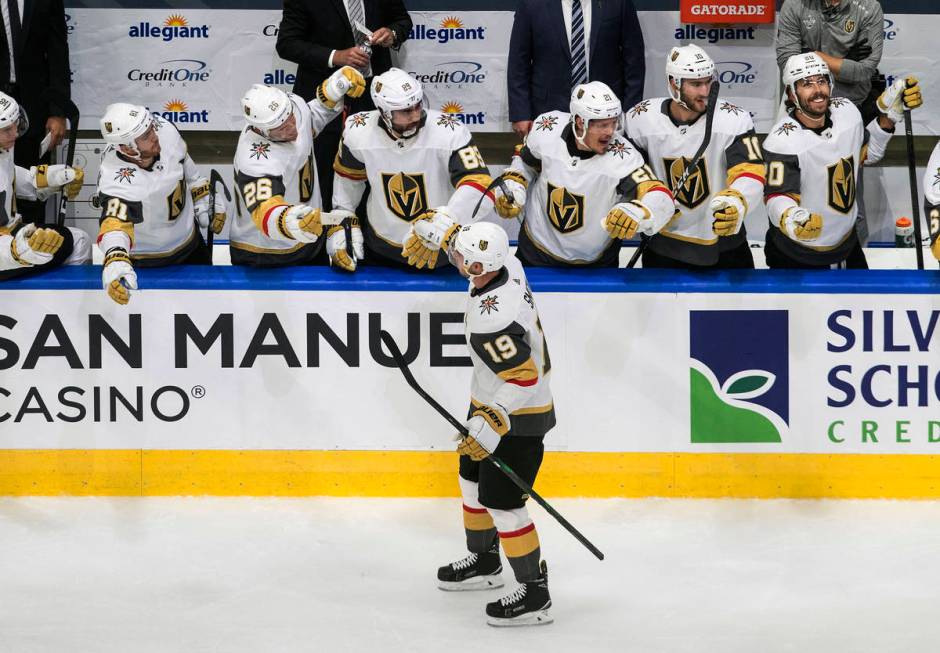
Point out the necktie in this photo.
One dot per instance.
(578, 60)
(15, 26)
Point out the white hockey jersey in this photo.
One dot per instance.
(152, 206)
(818, 170)
(571, 191)
(511, 365)
(13, 180)
(273, 173)
(932, 199)
(733, 159)
(439, 166)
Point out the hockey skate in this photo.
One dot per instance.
(478, 571)
(526, 606)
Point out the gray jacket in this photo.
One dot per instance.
(808, 26)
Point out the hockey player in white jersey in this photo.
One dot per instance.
(708, 228)
(511, 411)
(583, 185)
(932, 200)
(277, 177)
(814, 156)
(27, 248)
(422, 167)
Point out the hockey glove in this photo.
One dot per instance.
(118, 276)
(345, 81)
(510, 206)
(213, 218)
(49, 178)
(800, 224)
(430, 232)
(300, 222)
(336, 246)
(728, 208)
(486, 426)
(902, 94)
(934, 226)
(32, 246)
(623, 221)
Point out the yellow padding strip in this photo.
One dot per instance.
(434, 474)
(477, 521)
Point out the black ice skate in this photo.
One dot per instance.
(527, 606)
(478, 571)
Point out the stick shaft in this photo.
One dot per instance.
(915, 200)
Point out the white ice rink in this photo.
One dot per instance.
(267, 575)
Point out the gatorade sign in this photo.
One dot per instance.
(727, 11)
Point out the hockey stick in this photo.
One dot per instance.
(498, 182)
(915, 201)
(693, 163)
(214, 178)
(72, 114)
(396, 354)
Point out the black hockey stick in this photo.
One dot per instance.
(396, 354)
(214, 178)
(72, 114)
(693, 163)
(915, 201)
(498, 182)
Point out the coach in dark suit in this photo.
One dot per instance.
(318, 35)
(556, 44)
(40, 61)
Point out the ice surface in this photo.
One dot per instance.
(270, 575)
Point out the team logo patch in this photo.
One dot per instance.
(448, 120)
(176, 201)
(565, 209)
(489, 304)
(786, 129)
(484, 245)
(125, 175)
(842, 185)
(730, 108)
(838, 102)
(305, 180)
(405, 194)
(936, 178)
(849, 26)
(642, 107)
(359, 119)
(618, 148)
(739, 387)
(259, 150)
(546, 123)
(696, 188)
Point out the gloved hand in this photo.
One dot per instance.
(300, 222)
(486, 426)
(800, 224)
(429, 233)
(345, 81)
(34, 246)
(728, 209)
(336, 246)
(902, 94)
(510, 206)
(214, 220)
(934, 227)
(50, 178)
(118, 276)
(625, 219)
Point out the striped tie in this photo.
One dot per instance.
(578, 60)
(357, 14)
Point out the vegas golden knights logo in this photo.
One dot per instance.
(405, 194)
(565, 209)
(305, 180)
(695, 190)
(176, 200)
(842, 185)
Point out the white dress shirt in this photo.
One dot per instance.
(5, 10)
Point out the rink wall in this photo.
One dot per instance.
(222, 381)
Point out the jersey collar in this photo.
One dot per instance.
(567, 134)
(668, 114)
(827, 124)
(497, 281)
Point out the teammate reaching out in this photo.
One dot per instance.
(932, 200)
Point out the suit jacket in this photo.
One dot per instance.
(539, 66)
(311, 29)
(42, 60)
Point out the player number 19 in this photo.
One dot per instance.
(504, 350)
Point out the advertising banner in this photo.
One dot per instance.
(727, 11)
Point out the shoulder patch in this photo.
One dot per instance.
(640, 107)
(259, 150)
(786, 128)
(619, 148)
(448, 120)
(838, 102)
(489, 305)
(546, 123)
(125, 175)
(358, 119)
(733, 109)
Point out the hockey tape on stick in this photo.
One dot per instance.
(332, 218)
(399, 358)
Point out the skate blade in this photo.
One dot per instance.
(537, 618)
(472, 584)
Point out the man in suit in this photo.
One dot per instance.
(38, 60)
(557, 44)
(320, 36)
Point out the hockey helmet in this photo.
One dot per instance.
(123, 124)
(266, 107)
(593, 101)
(396, 90)
(482, 242)
(11, 113)
(687, 62)
(801, 66)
